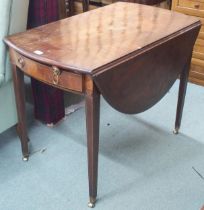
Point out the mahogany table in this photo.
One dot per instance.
(130, 53)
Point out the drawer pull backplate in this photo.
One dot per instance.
(56, 73)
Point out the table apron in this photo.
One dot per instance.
(50, 75)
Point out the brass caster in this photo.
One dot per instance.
(176, 131)
(91, 205)
(50, 125)
(25, 159)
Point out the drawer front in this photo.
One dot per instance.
(189, 7)
(191, 4)
(198, 62)
(198, 55)
(198, 51)
(201, 33)
(197, 72)
(48, 74)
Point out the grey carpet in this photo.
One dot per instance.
(142, 165)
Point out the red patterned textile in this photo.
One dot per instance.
(48, 101)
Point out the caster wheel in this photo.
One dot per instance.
(91, 205)
(50, 125)
(25, 159)
(175, 131)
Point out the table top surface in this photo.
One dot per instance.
(101, 37)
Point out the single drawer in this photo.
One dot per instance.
(202, 21)
(198, 55)
(193, 4)
(198, 50)
(197, 70)
(51, 75)
(198, 62)
(201, 33)
(189, 7)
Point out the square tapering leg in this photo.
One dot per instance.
(18, 79)
(92, 124)
(182, 93)
(85, 5)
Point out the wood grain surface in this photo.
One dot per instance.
(99, 37)
(45, 73)
(138, 84)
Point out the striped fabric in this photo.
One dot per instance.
(48, 101)
(42, 12)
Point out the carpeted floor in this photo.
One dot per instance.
(142, 164)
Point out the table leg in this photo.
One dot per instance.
(92, 125)
(85, 4)
(71, 8)
(18, 79)
(182, 93)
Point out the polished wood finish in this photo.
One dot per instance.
(196, 8)
(44, 73)
(92, 125)
(102, 36)
(182, 92)
(126, 86)
(18, 78)
(129, 53)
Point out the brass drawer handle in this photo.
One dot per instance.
(21, 62)
(197, 6)
(56, 73)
